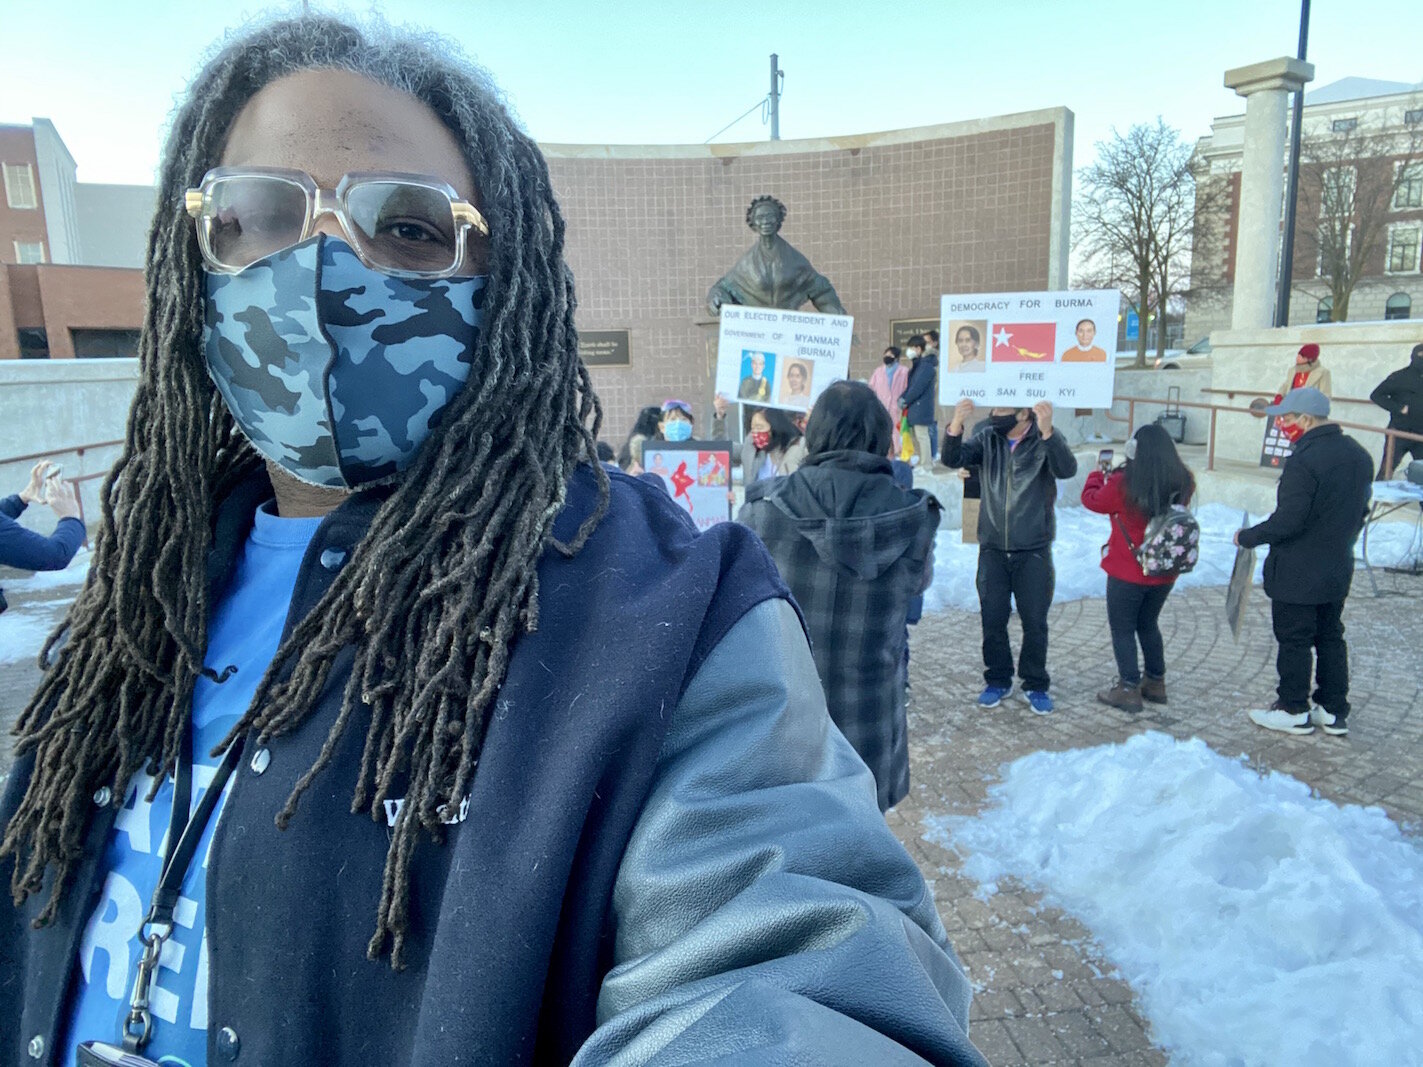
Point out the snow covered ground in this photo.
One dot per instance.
(23, 630)
(1256, 924)
(1077, 555)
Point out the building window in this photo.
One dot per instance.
(1403, 242)
(1398, 306)
(1337, 259)
(1325, 311)
(20, 186)
(1336, 192)
(1409, 192)
(1413, 117)
(34, 342)
(29, 251)
(1344, 125)
(105, 344)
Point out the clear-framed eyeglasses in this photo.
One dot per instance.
(405, 225)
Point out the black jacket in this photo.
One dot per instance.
(1403, 388)
(918, 396)
(1019, 485)
(1320, 506)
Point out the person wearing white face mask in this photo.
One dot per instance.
(917, 400)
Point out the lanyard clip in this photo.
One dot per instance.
(138, 1024)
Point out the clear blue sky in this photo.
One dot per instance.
(637, 71)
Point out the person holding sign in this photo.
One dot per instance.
(1085, 351)
(1020, 459)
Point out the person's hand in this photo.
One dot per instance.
(962, 410)
(33, 493)
(1043, 410)
(720, 404)
(63, 499)
(1235, 538)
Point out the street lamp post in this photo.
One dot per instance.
(1287, 251)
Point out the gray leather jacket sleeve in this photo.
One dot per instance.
(765, 914)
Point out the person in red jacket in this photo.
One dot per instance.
(1152, 479)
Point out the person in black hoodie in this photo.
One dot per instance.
(1020, 459)
(855, 549)
(1321, 502)
(1401, 395)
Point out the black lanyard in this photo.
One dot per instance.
(184, 833)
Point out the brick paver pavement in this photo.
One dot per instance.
(1042, 994)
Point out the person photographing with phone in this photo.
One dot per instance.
(27, 550)
(1146, 499)
(1020, 459)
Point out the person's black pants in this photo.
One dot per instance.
(1027, 578)
(1132, 613)
(1403, 450)
(1311, 638)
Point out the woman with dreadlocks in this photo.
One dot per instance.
(389, 727)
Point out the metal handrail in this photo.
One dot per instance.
(76, 449)
(1256, 392)
(1391, 436)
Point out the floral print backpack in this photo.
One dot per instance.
(1171, 544)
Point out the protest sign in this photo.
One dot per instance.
(697, 475)
(1276, 447)
(780, 359)
(1242, 577)
(1000, 349)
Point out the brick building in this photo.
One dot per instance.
(1362, 157)
(894, 220)
(71, 253)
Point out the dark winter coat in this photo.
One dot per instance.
(918, 398)
(855, 549)
(669, 854)
(1018, 484)
(1321, 503)
(1403, 388)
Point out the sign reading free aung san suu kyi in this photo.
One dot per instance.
(1001, 349)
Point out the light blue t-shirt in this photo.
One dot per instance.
(244, 631)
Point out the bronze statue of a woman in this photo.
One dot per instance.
(772, 274)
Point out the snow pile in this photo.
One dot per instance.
(1256, 924)
(1077, 556)
(23, 631)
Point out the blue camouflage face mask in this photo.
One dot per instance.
(333, 370)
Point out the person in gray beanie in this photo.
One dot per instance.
(1321, 502)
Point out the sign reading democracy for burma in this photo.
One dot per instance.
(780, 359)
(998, 349)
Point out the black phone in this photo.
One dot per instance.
(1104, 458)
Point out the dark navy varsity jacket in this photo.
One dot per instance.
(669, 853)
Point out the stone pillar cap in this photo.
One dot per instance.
(1285, 74)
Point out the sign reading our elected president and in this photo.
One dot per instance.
(998, 349)
(780, 359)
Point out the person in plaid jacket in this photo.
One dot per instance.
(854, 548)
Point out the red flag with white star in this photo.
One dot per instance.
(1024, 342)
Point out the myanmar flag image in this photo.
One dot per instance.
(1024, 342)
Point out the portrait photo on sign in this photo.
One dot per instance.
(796, 378)
(1024, 342)
(758, 370)
(965, 353)
(1086, 350)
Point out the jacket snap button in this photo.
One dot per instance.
(36, 1047)
(332, 558)
(228, 1043)
(260, 759)
(103, 796)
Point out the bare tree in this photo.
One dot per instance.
(1350, 172)
(1133, 220)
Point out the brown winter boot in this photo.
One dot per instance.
(1125, 697)
(1153, 689)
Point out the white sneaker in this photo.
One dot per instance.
(914, 461)
(1327, 721)
(1278, 719)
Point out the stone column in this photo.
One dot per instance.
(1266, 87)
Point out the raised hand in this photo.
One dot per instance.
(33, 493)
(962, 410)
(1043, 410)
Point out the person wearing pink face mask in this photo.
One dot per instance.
(1321, 502)
(773, 448)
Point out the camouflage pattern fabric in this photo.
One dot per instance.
(333, 370)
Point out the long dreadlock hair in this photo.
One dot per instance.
(444, 580)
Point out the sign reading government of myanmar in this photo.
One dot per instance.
(998, 349)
